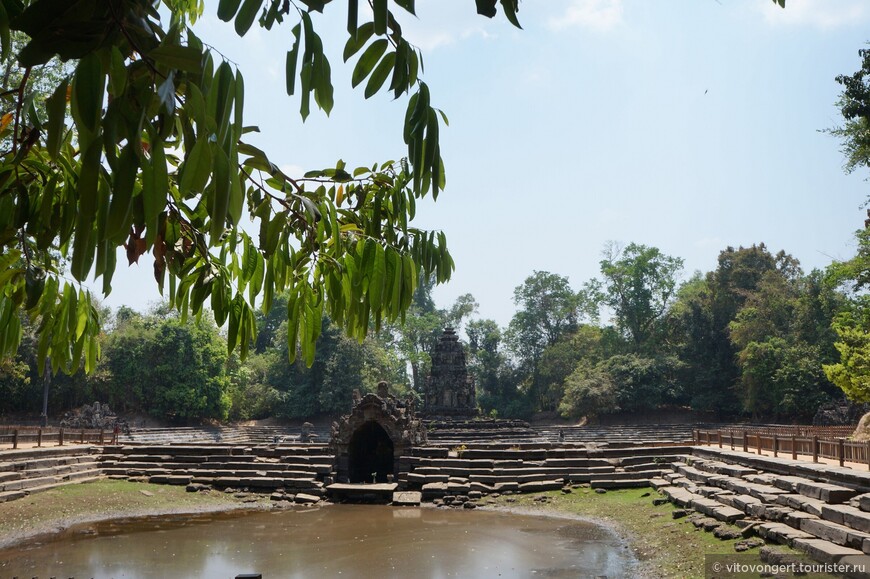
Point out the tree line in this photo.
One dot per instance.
(757, 337)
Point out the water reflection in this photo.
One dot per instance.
(340, 540)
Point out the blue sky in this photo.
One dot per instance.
(688, 125)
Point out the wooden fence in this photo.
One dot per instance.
(16, 435)
(818, 442)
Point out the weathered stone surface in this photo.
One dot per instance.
(540, 486)
(304, 498)
(437, 489)
(839, 534)
(726, 533)
(824, 551)
(717, 510)
(449, 390)
(781, 533)
(502, 487)
(825, 492)
(796, 518)
(679, 495)
(800, 502)
(407, 498)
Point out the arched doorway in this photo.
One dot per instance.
(370, 451)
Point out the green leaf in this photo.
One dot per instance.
(377, 277)
(197, 168)
(226, 10)
(352, 17)
(368, 60)
(121, 203)
(117, 73)
(292, 59)
(178, 57)
(247, 15)
(381, 12)
(379, 76)
(486, 8)
(88, 88)
(220, 200)
(511, 7)
(56, 108)
(355, 43)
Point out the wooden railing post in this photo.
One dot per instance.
(867, 453)
(39, 437)
(60, 437)
(841, 450)
(102, 436)
(815, 448)
(793, 447)
(758, 442)
(775, 445)
(83, 436)
(15, 438)
(719, 437)
(745, 441)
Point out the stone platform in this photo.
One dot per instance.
(362, 493)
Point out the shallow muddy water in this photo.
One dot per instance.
(333, 541)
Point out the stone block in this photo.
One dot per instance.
(501, 487)
(824, 551)
(744, 502)
(407, 498)
(540, 486)
(795, 518)
(825, 492)
(839, 534)
(306, 499)
(781, 533)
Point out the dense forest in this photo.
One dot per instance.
(755, 338)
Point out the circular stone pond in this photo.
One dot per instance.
(333, 541)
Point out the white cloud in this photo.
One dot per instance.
(601, 15)
(823, 14)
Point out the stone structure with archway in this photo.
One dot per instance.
(369, 441)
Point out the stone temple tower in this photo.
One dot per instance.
(449, 390)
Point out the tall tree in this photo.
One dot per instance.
(547, 310)
(640, 283)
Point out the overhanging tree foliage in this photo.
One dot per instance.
(142, 146)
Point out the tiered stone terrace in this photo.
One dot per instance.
(27, 471)
(820, 509)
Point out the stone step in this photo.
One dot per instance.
(660, 461)
(421, 479)
(50, 486)
(11, 495)
(28, 483)
(825, 551)
(742, 502)
(679, 495)
(802, 503)
(834, 533)
(658, 483)
(717, 510)
(171, 479)
(9, 476)
(61, 470)
(541, 486)
(624, 483)
(781, 533)
(829, 493)
(627, 476)
(578, 462)
(847, 515)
